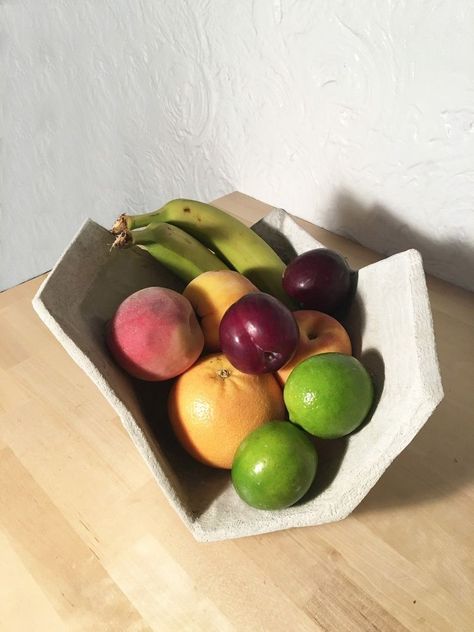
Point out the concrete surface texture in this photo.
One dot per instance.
(358, 116)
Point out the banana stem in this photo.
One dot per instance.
(181, 253)
(151, 234)
(142, 220)
(131, 222)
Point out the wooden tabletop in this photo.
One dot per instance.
(89, 542)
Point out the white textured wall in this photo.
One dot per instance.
(358, 116)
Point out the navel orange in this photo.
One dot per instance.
(212, 407)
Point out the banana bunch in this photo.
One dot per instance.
(181, 253)
(192, 237)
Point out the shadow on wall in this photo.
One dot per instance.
(379, 228)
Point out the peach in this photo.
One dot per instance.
(211, 294)
(319, 333)
(154, 334)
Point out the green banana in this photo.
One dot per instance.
(228, 237)
(180, 252)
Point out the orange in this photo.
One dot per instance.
(212, 407)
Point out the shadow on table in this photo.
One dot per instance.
(425, 471)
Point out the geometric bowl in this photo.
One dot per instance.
(391, 329)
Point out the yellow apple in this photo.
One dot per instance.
(211, 294)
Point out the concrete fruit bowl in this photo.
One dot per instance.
(391, 330)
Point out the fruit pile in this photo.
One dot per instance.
(259, 363)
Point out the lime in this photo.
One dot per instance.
(329, 394)
(274, 466)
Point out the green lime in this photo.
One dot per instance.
(274, 466)
(329, 394)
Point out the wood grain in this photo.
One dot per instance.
(88, 542)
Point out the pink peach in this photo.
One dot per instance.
(154, 334)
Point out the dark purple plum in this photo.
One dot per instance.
(258, 334)
(319, 279)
